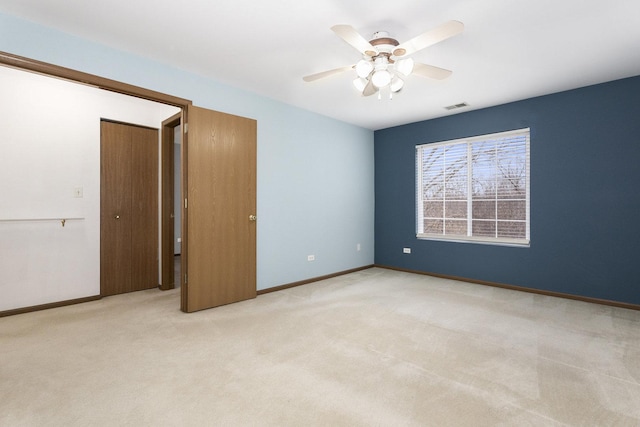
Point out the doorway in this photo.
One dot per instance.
(171, 197)
(177, 204)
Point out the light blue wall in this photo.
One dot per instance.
(315, 174)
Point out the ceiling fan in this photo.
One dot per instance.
(385, 62)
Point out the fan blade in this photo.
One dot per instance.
(431, 37)
(430, 71)
(351, 36)
(369, 89)
(328, 73)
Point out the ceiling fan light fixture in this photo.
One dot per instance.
(405, 66)
(364, 68)
(381, 78)
(360, 83)
(396, 84)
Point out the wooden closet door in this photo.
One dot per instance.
(144, 204)
(115, 209)
(129, 208)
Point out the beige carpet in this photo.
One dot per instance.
(377, 347)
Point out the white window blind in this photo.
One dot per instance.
(474, 189)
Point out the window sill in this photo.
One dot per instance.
(518, 243)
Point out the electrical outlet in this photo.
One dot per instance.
(311, 257)
(406, 250)
(358, 247)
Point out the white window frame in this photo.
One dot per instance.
(469, 238)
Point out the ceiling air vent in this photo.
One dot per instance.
(456, 106)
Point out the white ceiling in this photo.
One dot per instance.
(509, 50)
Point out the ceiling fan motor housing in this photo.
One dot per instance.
(383, 43)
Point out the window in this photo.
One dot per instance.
(474, 189)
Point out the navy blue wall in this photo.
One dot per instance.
(585, 195)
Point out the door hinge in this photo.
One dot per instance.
(186, 127)
(185, 203)
(185, 278)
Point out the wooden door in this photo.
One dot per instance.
(219, 227)
(129, 208)
(115, 209)
(144, 205)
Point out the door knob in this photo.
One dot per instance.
(252, 217)
(116, 217)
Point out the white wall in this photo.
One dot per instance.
(315, 191)
(50, 148)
